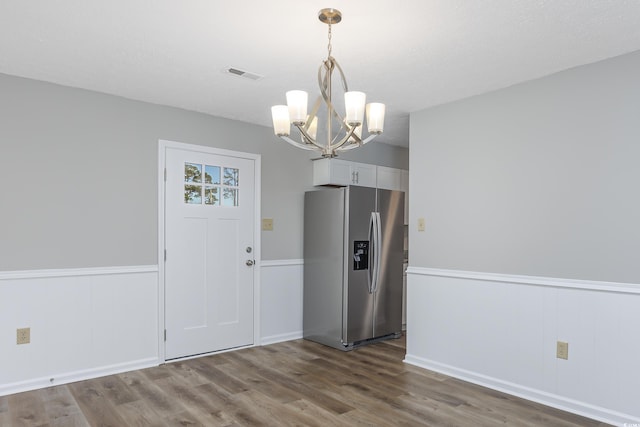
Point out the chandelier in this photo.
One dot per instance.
(342, 133)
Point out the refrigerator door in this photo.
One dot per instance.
(388, 295)
(358, 298)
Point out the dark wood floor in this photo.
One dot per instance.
(291, 383)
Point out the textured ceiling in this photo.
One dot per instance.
(409, 54)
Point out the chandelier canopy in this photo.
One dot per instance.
(342, 133)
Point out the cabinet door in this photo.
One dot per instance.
(331, 172)
(389, 178)
(363, 175)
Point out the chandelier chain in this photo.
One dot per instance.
(329, 47)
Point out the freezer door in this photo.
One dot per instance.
(323, 266)
(358, 298)
(388, 295)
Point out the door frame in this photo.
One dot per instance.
(163, 145)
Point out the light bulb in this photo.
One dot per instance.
(281, 123)
(354, 107)
(375, 117)
(297, 103)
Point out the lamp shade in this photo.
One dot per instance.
(297, 103)
(375, 117)
(281, 123)
(354, 107)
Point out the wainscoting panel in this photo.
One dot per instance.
(501, 331)
(84, 323)
(281, 300)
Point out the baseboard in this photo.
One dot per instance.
(281, 338)
(280, 262)
(555, 401)
(71, 377)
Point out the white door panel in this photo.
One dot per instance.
(209, 223)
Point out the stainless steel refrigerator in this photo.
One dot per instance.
(353, 254)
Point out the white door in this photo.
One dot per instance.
(209, 242)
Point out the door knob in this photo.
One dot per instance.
(250, 262)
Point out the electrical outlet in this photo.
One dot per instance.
(421, 225)
(267, 224)
(23, 335)
(562, 350)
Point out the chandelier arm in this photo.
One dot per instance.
(333, 141)
(306, 137)
(360, 144)
(350, 147)
(343, 141)
(325, 85)
(369, 138)
(297, 144)
(357, 141)
(314, 111)
(343, 125)
(342, 76)
(324, 82)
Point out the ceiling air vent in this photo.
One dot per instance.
(243, 73)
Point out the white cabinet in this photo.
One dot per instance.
(363, 175)
(331, 172)
(343, 172)
(389, 178)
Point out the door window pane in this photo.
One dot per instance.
(230, 177)
(192, 194)
(192, 172)
(230, 197)
(212, 196)
(212, 174)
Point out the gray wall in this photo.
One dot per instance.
(78, 175)
(537, 179)
(379, 154)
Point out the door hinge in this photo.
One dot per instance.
(165, 335)
(165, 255)
(165, 174)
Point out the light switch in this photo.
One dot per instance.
(421, 225)
(267, 224)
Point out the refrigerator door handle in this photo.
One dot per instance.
(377, 235)
(371, 272)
